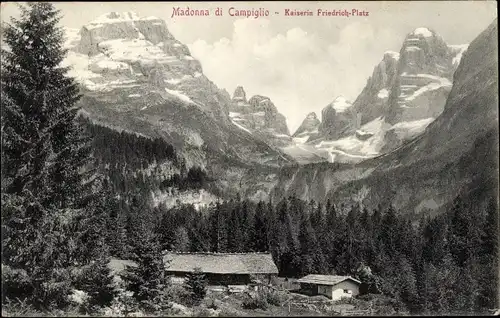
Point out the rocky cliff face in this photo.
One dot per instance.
(373, 100)
(405, 93)
(336, 118)
(457, 153)
(136, 76)
(425, 71)
(260, 117)
(140, 58)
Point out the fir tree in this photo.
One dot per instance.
(147, 280)
(46, 181)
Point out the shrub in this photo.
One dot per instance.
(203, 312)
(17, 308)
(258, 301)
(15, 283)
(196, 285)
(178, 294)
(122, 305)
(274, 297)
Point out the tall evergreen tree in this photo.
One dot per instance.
(147, 280)
(47, 183)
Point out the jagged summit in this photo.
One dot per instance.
(308, 128)
(391, 54)
(423, 31)
(311, 115)
(113, 17)
(239, 95)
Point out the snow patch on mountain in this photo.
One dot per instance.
(179, 95)
(352, 147)
(340, 104)
(114, 17)
(459, 50)
(392, 54)
(239, 126)
(71, 37)
(443, 82)
(410, 129)
(383, 93)
(423, 32)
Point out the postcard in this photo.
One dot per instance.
(274, 158)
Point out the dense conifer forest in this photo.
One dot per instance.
(438, 264)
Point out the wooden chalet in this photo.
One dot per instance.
(222, 268)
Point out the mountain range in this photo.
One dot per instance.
(411, 138)
(405, 93)
(135, 76)
(456, 154)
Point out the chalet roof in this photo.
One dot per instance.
(325, 279)
(221, 263)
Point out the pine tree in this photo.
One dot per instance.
(181, 240)
(196, 285)
(147, 280)
(97, 281)
(46, 181)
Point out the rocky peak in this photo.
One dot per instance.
(373, 100)
(340, 104)
(239, 95)
(262, 103)
(425, 71)
(423, 50)
(309, 125)
(138, 62)
(336, 118)
(259, 115)
(311, 116)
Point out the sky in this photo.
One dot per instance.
(301, 62)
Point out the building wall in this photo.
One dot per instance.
(338, 291)
(213, 279)
(325, 290)
(309, 289)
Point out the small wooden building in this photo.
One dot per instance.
(222, 268)
(333, 287)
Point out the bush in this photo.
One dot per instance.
(204, 312)
(384, 305)
(178, 294)
(258, 301)
(122, 305)
(15, 283)
(18, 308)
(274, 297)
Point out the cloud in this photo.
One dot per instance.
(299, 71)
